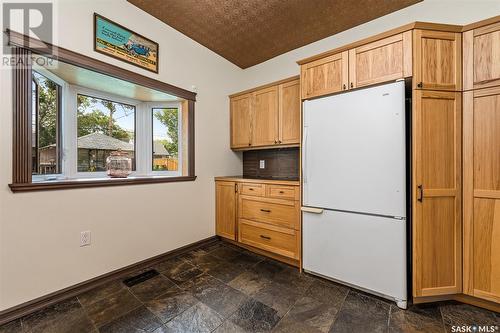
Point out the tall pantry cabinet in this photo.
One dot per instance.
(481, 174)
(437, 162)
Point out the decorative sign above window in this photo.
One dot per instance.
(121, 43)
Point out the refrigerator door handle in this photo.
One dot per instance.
(304, 153)
(312, 210)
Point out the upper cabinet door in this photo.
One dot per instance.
(289, 112)
(381, 61)
(436, 197)
(438, 60)
(265, 117)
(482, 57)
(241, 121)
(325, 76)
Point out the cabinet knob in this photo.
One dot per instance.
(282, 192)
(344, 87)
(420, 85)
(275, 141)
(265, 237)
(265, 210)
(352, 85)
(249, 143)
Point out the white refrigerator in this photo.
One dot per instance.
(354, 189)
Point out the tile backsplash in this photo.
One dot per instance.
(278, 163)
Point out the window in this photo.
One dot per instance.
(45, 132)
(165, 134)
(80, 114)
(103, 126)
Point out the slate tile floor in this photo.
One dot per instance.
(222, 288)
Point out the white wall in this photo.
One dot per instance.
(39, 231)
(439, 11)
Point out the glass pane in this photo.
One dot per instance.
(44, 126)
(103, 127)
(165, 139)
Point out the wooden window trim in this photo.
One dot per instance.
(23, 48)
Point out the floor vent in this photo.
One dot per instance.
(132, 281)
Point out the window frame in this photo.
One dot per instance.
(180, 153)
(72, 150)
(23, 47)
(61, 99)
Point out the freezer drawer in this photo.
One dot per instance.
(361, 250)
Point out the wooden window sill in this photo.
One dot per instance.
(98, 182)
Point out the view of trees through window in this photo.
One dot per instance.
(165, 139)
(45, 119)
(103, 126)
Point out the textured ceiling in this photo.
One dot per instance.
(248, 32)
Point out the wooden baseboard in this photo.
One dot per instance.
(26, 308)
(461, 298)
(286, 260)
(478, 302)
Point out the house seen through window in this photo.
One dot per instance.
(103, 127)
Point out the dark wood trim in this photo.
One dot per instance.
(74, 184)
(21, 131)
(191, 138)
(133, 32)
(17, 39)
(26, 308)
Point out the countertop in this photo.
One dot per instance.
(258, 180)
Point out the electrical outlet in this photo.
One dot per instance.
(85, 239)
(262, 164)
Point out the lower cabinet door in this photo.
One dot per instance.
(282, 241)
(481, 179)
(225, 211)
(437, 226)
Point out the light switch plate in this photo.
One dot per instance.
(262, 164)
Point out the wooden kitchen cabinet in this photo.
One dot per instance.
(241, 121)
(437, 226)
(325, 76)
(481, 47)
(289, 112)
(437, 60)
(262, 215)
(481, 178)
(265, 125)
(266, 117)
(384, 60)
(225, 211)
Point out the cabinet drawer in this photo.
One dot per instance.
(253, 189)
(282, 192)
(274, 239)
(278, 212)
